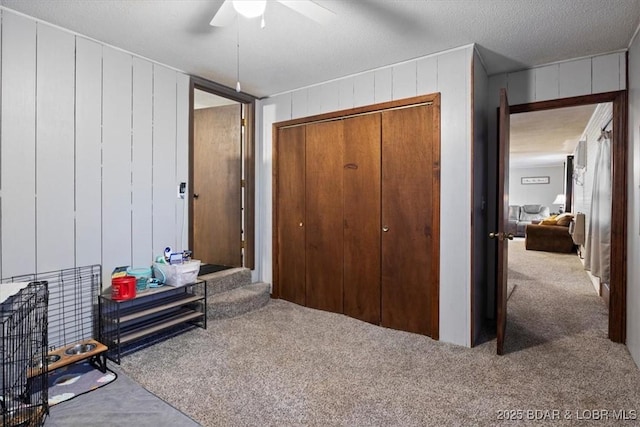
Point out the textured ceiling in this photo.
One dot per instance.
(293, 51)
(545, 138)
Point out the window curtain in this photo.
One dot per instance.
(597, 250)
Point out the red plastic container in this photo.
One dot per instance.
(123, 288)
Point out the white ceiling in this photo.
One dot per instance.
(293, 51)
(545, 138)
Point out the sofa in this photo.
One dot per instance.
(551, 235)
(521, 216)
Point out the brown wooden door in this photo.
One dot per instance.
(410, 219)
(361, 178)
(503, 209)
(217, 166)
(290, 214)
(324, 198)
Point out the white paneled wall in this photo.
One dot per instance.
(383, 85)
(405, 80)
(363, 89)
(346, 93)
(116, 157)
(141, 168)
(94, 142)
(633, 223)
(88, 153)
(182, 157)
(448, 73)
(55, 226)
(164, 159)
(479, 212)
(584, 76)
(18, 145)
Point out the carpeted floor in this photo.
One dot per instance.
(289, 365)
(211, 268)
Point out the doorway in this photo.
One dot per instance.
(221, 175)
(619, 153)
(544, 186)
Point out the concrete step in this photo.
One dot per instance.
(226, 280)
(237, 301)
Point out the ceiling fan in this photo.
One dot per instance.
(254, 8)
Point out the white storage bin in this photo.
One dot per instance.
(177, 274)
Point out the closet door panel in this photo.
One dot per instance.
(361, 180)
(408, 186)
(324, 196)
(290, 214)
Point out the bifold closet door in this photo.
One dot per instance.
(290, 205)
(361, 181)
(324, 198)
(410, 179)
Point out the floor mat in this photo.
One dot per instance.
(75, 380)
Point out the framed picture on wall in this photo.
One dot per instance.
(534, 180)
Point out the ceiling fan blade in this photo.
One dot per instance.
(224, 16)
(310, 9)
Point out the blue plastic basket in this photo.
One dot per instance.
(142, 276)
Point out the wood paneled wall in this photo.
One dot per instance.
(93, 143)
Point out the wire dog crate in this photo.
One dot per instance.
(23, 346)
(72, 303)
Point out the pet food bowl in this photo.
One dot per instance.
(49, 359)
(80, 349)
(20, 417)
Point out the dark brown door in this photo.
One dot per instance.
(290, 214)
(361, 178)
(217, 165)
(503, 209)
(410, 196)
(324, 195)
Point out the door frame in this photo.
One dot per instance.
(501, 234)
(248, 154)
(619, 154)
(433, 99)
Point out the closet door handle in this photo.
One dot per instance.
(301, 224)
(385, 228)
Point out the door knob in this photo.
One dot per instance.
(493, 235)
(385, 228)
(301, 224)
(510, 236)
(196, 195)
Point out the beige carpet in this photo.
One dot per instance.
(287, 365)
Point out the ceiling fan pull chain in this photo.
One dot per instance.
(238, 88)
